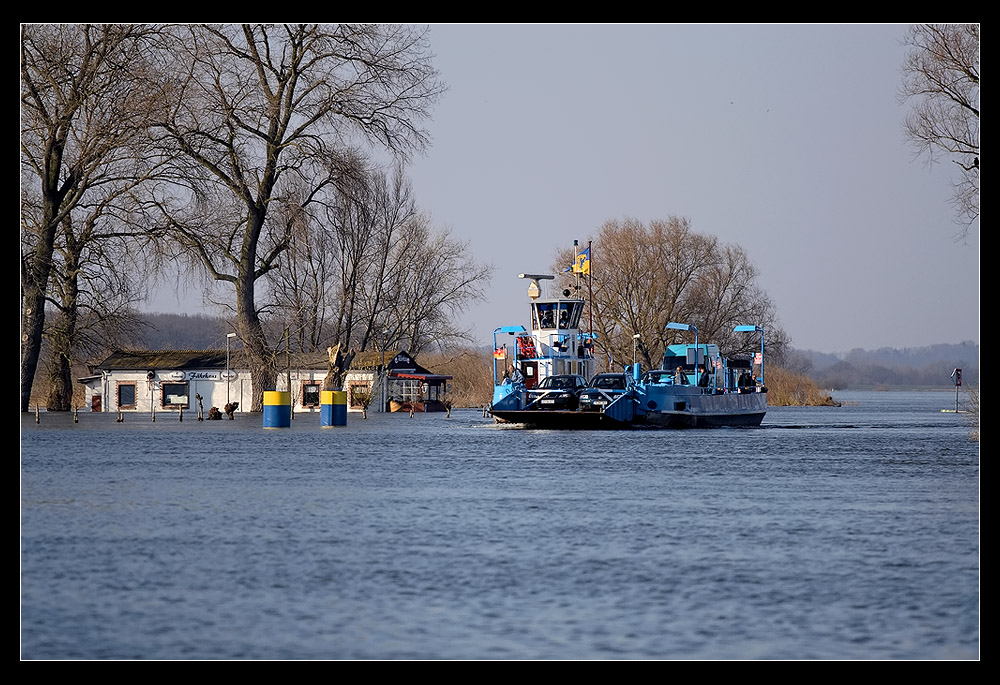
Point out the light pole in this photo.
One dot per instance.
(384, 373)
(229, 336)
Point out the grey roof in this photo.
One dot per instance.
(201, 359)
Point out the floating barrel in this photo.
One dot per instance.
(277, 409)
(333, 408)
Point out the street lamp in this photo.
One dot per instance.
(229, 336)
(688, 327)
(383, 389)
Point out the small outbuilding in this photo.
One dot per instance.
(394, 381)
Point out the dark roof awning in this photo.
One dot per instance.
(168, 359)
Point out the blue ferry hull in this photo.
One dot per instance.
(648, 407)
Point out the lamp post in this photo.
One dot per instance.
(383, 372)
(688, 327)
(229, 336)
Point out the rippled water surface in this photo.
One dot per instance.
(828, 533)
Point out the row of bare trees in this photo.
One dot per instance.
(646, 276)
(83, 150)
(242, 152)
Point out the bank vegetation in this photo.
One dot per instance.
(789, 389)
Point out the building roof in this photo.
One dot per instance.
(398, 362)
(370, 359)
(202, 359)
(169, 359)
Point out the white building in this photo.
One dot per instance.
(189, 380)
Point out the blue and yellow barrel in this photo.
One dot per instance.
(333, 408)
(277, 409)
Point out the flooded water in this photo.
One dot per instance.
(828, 533)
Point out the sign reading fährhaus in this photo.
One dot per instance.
(205, 375)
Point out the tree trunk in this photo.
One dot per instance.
(61, 337)
(32, 323)
(263, 370)
(63, 332)
(60, 383)
(35, 280)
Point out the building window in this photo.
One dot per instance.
(310, 394)
(407, 390)
(359, 394)
(175, 395)
(126, 395)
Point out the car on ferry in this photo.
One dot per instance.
(603, 389)
(557, 392)
(654, 376)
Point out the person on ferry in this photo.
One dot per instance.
(680, 378)
(703, 377)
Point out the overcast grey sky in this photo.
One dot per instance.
(784, 139)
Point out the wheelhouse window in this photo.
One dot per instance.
(310, 394)
(561, 315)
(175, 395)
(126, 395)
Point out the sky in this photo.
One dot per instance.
(784, 139)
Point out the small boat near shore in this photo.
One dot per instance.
(694, 387)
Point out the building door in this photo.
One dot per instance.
(95, 403)
(530, 372)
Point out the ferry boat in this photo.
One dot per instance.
(695, 386)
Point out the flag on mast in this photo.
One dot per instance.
(581, 264)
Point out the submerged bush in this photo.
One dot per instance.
(785, 388)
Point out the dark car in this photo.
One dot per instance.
(556, 392)
(603, 389)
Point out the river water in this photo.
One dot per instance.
(846, 532)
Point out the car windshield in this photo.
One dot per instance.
(616, 382)
(557, 382)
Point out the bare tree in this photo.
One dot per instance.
(82, 106)
(429, 278)
(941, 79)
(374, 269)
(97, 280)
(647, 276)
(263, 117)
